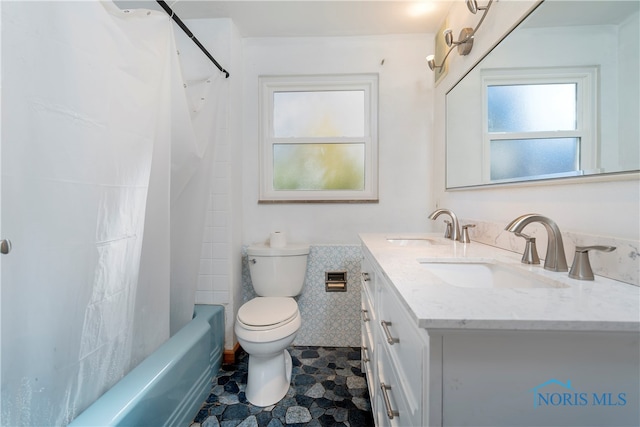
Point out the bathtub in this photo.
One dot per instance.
(170, 385)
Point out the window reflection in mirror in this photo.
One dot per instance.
(534, 122)
(534, 107)
(557, 97)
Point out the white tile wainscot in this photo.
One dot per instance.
(495, 356)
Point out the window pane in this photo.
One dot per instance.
(514, 158)
(318, 166)
(532, 108)
(318, 114)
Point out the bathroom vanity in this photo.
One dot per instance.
(460, 334)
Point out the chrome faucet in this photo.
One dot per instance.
(555, 259)
(455, 226)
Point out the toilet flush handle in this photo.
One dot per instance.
(253, 260)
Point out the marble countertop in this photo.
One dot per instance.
(599, 305)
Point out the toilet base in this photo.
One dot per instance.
(268, 378)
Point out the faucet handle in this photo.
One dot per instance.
(581, 267)
(448, 229)
(465, 233)
(530, 254)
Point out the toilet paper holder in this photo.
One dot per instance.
(335, 281)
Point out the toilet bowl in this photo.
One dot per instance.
(265, 327)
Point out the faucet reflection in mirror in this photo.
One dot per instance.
(465, 38)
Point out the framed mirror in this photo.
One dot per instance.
(558, 97)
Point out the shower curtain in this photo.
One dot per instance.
(105, 172)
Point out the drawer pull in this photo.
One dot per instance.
(385, 327)
(364, 315)
(390, 412)
(365, 353)
(365, 277)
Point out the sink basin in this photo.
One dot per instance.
(410, 241)
(487, 275)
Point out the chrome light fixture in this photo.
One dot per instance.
(473, 7)
(465, 38)
(431, 61)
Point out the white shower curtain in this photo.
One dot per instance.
(100, 168)
(199, 125)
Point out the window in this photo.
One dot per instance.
(539, 122)
(319, 138)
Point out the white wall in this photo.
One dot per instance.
(606, 208)
(405, 129)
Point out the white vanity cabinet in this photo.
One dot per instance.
(541, 378)
(439, 355)
(396, 353)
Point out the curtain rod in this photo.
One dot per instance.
(186, 30)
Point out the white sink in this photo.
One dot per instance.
(487, 275)
(413, 241)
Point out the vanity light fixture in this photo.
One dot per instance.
(431, 60)
(465, 38)
(473, 7)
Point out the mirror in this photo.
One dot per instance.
(556, 98)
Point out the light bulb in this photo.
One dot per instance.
(431, 60)
(448, 37)
(472, 5)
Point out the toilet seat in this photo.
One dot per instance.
(264, 313)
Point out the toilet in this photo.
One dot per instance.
(268, 324)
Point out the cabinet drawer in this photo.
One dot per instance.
(368, 362)
(393, 405)
(405, 344)
(368, 313)
(368, 350)
(367, 319)
(367, 358)
(368, 279)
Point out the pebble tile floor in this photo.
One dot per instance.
(327, 389)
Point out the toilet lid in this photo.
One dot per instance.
(266, 311)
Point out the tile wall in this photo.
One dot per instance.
(214, 276)
(330, 319)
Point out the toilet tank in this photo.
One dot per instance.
(278, 272)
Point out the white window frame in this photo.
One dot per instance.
(271, 84)
(586, 79)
